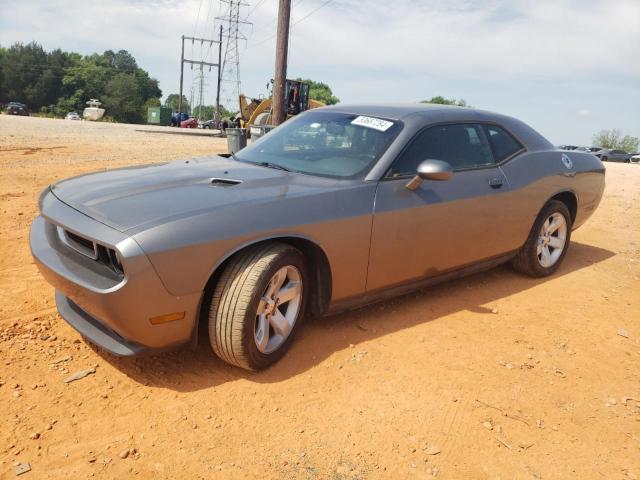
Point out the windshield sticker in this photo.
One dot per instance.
(371, 122)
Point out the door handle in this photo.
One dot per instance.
(495, 182)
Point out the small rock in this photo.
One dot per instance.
(554, 428)
(494, 311)
(22, 468)
(487, 425)
(431, 449)
(34, 436)
(124, 454)
(351, 345)
(48, 426)
(66, 358)
(92, 459)
(80, 375)
(611, 401)
(623, 333)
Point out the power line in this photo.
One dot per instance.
(312, 12)
(255, 7)
(195, 28)
(294, 23)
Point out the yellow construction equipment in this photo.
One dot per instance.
(256, 111)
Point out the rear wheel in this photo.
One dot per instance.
(604, 159)
(257, 305)
(547, 243)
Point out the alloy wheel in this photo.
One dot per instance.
(278, 309)
(551, 240)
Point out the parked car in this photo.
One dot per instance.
(595, 149)
(16, 108)
(635, 158)
(72, 116)
(567, 147)
(336, 208)
(209, 124)
(176, 119)
(608, 155)
(189, 123)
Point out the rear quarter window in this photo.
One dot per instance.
(502, 142)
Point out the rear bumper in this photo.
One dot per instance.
(112, 311)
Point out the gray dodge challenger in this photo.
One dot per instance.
(338, 207)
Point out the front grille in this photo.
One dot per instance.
(80, 244)
(104, 255)
(88, 244)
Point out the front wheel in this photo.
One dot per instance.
(257, 305)
(547, 243)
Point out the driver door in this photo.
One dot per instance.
(442, 225)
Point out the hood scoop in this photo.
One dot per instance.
(224, 182)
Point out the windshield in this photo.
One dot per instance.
(324, 143)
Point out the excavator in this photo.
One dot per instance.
(257, 111)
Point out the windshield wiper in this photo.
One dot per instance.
(274, 165)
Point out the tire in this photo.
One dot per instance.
(529, 259)
(236, 327)
(604, 159)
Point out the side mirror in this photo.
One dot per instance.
(430, 170)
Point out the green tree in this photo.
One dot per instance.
(321, 92)
(58, 82)
(614, 140)
(440, 100)
(122, 99)
(172, 101)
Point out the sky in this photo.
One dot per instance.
(568, 68)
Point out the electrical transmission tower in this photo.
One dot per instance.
(230, 81)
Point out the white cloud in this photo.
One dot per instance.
(583, 112)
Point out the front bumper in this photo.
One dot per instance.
(112, 311)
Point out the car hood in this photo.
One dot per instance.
(145, 196)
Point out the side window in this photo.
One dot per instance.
(461, 145)
(502, 143)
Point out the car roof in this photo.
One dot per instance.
(395, 111)
(418, 114)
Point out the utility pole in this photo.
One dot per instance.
(201, 88)
(181, 81)
(217, 112)
(279, 113)
(196, 62)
